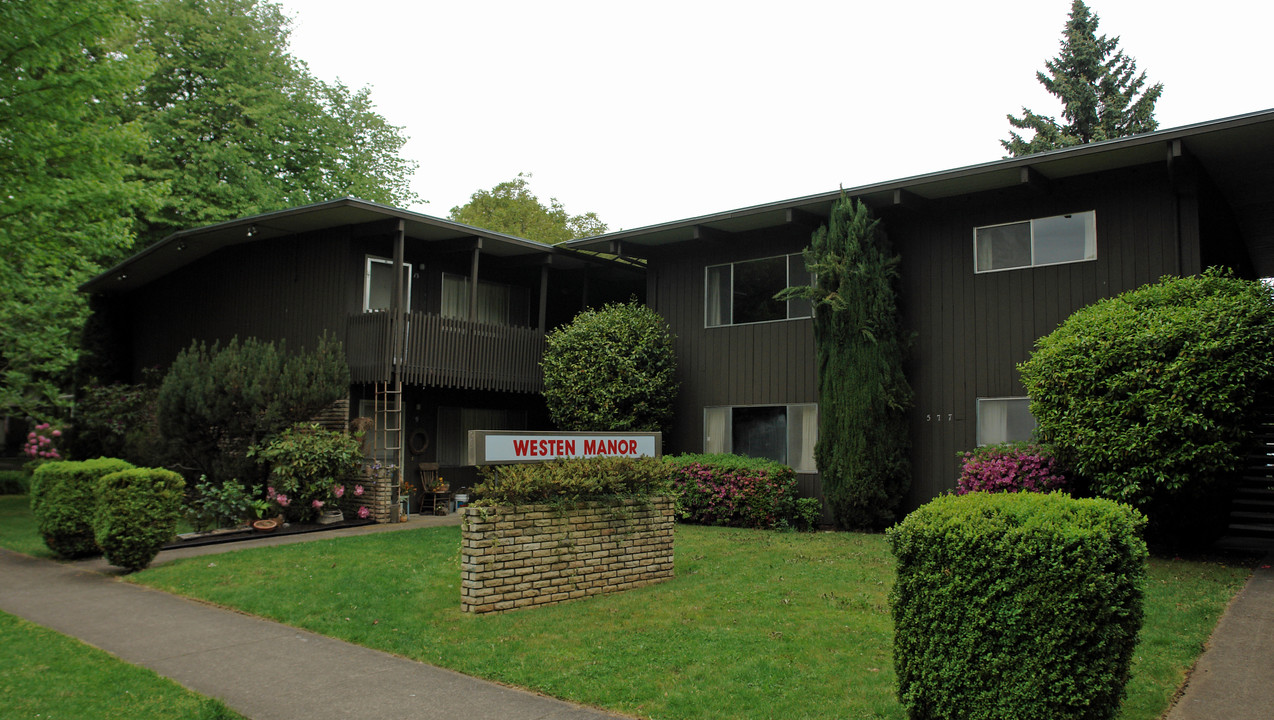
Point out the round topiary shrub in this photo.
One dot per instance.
(137, 513)
(611, 369)
(64, 502)
(1149, 397)
(1016, 605)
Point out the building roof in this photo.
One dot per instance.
(1237, 153)
(186, 246)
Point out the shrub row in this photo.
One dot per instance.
(14, 482)
(739, 492)
(571, 480)
(1017, 605)
(106, 505)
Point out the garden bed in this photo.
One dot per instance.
(245, 532)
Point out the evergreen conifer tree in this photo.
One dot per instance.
(863, 441)
(1101, 92)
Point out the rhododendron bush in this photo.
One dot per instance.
(1010, 467)
(740, 492)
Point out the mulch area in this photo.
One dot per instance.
(229, 535)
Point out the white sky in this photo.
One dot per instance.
(648, 112)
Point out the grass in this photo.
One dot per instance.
(17, 527)
(755, 624)
(44, 674)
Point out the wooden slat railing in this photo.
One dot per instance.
(446, 352)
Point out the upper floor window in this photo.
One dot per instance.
(743, 292)
(1042, 241)
(1004, 420)
(498, 304)
(378, 284)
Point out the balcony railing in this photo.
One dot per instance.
(446, 352)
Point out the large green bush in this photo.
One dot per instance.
(1149, 397)
(1016, 605)
(309, 467)
(737, 491)
(863, 444)
(571, 480)
(137, 514)
(119, 421)
(217, 402)
(64, 503)
(611, 369)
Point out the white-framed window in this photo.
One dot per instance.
(743, 292)
(1030, 243)
(782, 433)
(378, 284)
(455, 423)
(498, 304)
(1006, 419)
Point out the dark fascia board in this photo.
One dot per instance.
(1221, 141)
(186, 246)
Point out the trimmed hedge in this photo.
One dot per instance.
(738, 491)
(64, 501)
(1018, 605)
(137, 513)
(570, 480)
(15, 482)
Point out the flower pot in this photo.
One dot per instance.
(327, 517)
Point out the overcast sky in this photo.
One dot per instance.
(653, 111)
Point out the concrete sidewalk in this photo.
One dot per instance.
(262, 669)
(1234, 678)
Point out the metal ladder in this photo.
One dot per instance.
(387, 426)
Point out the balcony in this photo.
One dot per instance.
(446, 352)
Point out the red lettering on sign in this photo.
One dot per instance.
(590, 447)
(519, 447)
(569, 447)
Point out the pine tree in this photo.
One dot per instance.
(1101, 92)
(863, 440)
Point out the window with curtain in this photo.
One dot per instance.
(782, 433)
(498, 304)
(1042, 241)
(743, 292)
(1004, 420)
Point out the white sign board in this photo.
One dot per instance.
(491, 447)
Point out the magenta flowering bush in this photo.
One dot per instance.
(41, 443)
(1010, 467)
(736, 491)
(309, 467)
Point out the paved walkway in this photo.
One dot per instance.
(262, 669)
(269, 671)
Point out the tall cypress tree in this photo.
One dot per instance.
(863, 443)
(1100, 90)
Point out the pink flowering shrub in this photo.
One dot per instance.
(41, 443)
(738, 491)
(1010, 467)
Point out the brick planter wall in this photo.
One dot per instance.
(527, 555)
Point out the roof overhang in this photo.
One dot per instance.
(187, 246)
(1237, 153)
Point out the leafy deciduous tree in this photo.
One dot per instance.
(1101, 92)
(863, 445)
(512, 208)
(238, 126)
(67, 193)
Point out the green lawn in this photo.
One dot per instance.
(17, 527)
(755, 624)
(44, 674)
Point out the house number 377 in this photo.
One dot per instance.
(938, 417)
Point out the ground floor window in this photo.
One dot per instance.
(783, 433)
(455, 423)
(1004, 420)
